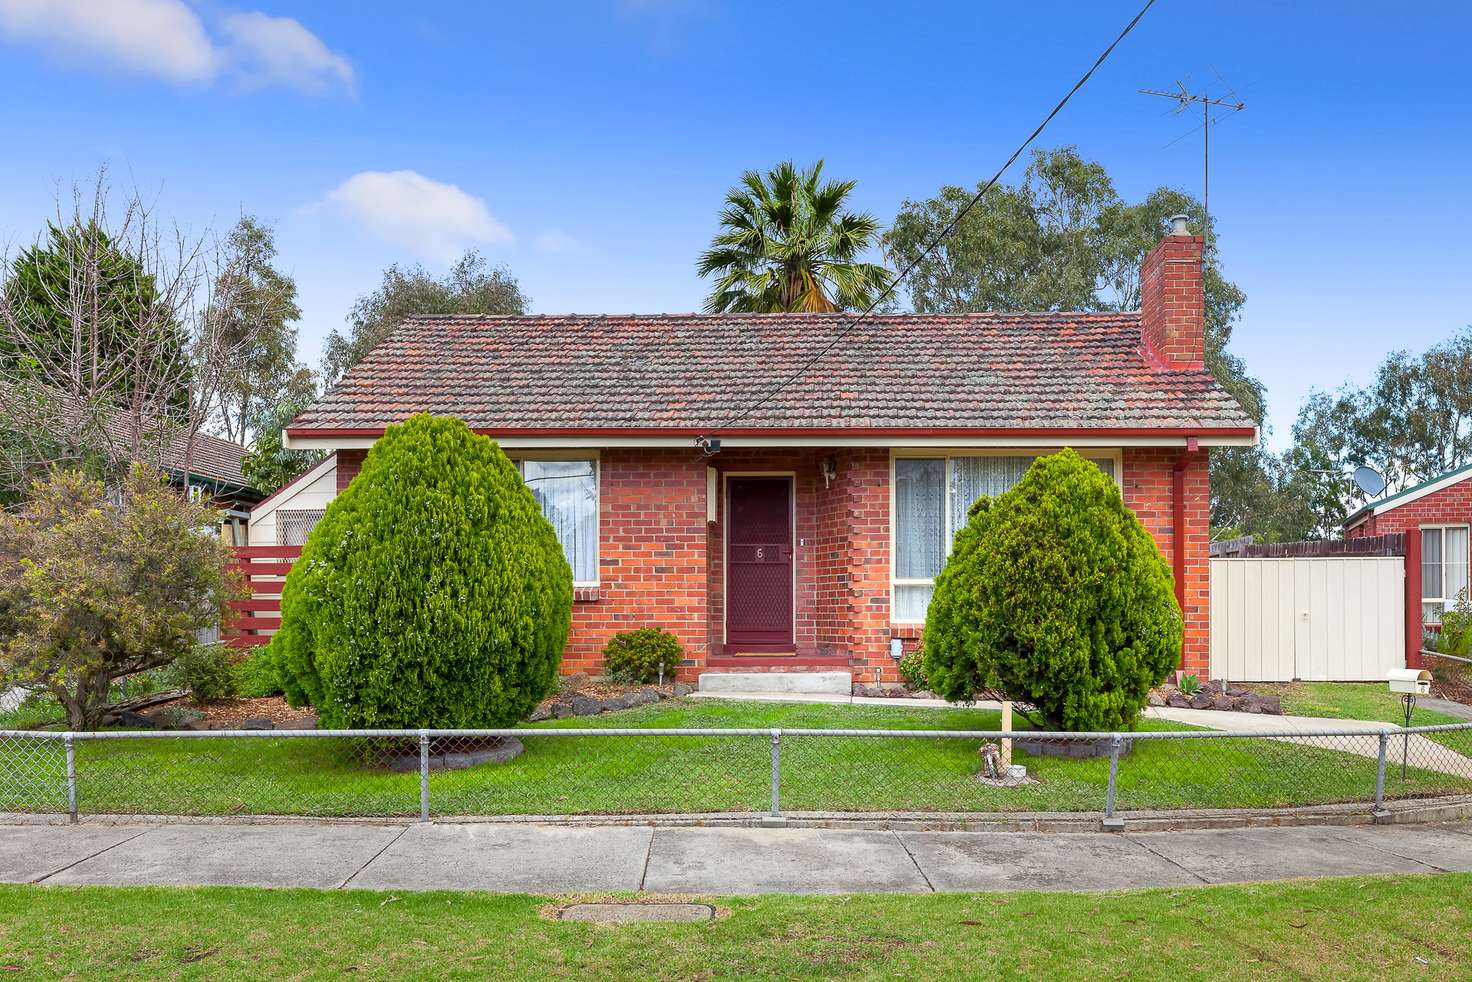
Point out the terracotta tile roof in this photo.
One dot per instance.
(693, 371)
(214, 458)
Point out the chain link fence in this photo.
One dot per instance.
(611, 772)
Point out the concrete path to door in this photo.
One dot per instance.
(525, 858)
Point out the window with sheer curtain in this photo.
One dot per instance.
(567, 490)
(931, 498)
(1443, 569)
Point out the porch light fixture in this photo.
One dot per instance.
(830, 471)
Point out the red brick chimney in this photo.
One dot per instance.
(1172, 307)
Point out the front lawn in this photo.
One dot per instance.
(1356, 928)
(1348, 700)
(630, 775)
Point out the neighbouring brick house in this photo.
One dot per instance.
(1437, 515)
(812, 537)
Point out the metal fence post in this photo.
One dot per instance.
(1380, 774)
(71, 777)
(775, 817)
(424, 775)
(1112, 824)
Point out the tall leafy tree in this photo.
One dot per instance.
(114, 344)
(257, 313)
(1064, 239)
(63, 330)
(787, 243)
(268, 464)
(471, 287)
(1413, 422)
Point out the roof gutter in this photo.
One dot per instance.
(307, 437)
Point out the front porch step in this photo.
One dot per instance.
(824, 683)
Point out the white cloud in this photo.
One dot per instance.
(166, 38)
(280, 51)
(437, 221)
(554, 242)
(158, 37)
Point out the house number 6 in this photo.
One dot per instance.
(761, 553)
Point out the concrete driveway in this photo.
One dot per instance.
(525, 858)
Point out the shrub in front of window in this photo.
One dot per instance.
(432, 592)
(912, 671)
(636, 656)
(1057, 596)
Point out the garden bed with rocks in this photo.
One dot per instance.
(1213, 695)
(583, 696)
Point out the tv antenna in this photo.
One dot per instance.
(1185, 99)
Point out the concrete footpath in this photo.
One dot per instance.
(524, 858)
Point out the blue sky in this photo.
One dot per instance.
(587, 145)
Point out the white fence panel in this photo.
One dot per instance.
(1337, 618)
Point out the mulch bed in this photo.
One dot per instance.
(1454, 690)
(229, 713)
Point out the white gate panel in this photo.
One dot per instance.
(1338, 618)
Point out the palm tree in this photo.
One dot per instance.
(786, 245)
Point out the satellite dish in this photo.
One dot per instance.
(1370, 480)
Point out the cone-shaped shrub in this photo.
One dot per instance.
(1056, 595)
(432, 593)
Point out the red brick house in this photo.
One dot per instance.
(811, 538)
(1440, 510)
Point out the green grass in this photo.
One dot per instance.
(1362, 700)
(614, 774)
(1357, 928)
(1349, 700)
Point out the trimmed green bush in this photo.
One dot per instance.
(635, 656)
(432, 593)
(1057, 596)
(206, 671)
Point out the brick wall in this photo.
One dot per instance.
(1452, 505)
(1147, 491)
(859, 571)
(349, 463)
(660, 563)
(653, 550)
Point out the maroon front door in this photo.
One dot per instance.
(759, 564)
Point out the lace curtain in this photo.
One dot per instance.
(567, 490)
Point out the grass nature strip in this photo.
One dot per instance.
(1351, 928)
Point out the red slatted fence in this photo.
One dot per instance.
(264, 568)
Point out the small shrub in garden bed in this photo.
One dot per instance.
(636, 656)
(207, 672)
(912, 671)
(257, 677)
(1057, 596)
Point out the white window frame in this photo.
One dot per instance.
(521, 456)
(1444, 601)
(1116, 454)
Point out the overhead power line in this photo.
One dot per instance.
(704, 442)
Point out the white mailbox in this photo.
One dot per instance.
(1416, 681)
